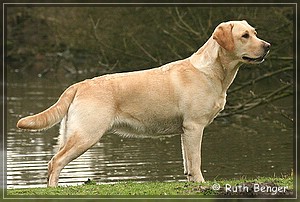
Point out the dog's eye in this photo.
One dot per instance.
(246, 35)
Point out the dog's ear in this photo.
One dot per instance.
(223, 35)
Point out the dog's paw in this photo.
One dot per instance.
(195, 178)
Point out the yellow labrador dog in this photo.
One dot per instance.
(181, 97)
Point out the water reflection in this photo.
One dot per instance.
(259, 144)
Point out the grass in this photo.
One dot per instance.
(162, 189)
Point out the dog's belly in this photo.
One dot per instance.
(151, 128)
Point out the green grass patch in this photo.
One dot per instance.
(282, 186)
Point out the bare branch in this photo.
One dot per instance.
(283, 113)
(264, 76)
(256, 101)
(174, 51)
(144, 50)
(180, 40)
(187, 27)
(95, 25)
(281, 58)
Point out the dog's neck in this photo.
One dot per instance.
(216, 63)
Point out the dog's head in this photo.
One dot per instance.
(239, 38)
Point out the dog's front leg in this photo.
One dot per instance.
(185, 170)
(191, 145)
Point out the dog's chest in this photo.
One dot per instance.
(220, 103)
(218, 106)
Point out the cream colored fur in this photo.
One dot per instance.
(181, 97)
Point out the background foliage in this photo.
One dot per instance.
(91, 41)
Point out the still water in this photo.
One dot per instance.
(257, 143)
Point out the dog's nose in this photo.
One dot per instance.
(266, 46)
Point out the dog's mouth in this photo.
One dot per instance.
(255, 60)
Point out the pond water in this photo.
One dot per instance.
(257, 143)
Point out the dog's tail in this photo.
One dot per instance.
(52, 115)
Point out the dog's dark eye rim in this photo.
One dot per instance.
(246, 35)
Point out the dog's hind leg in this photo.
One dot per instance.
(75, 145)
(83, 127)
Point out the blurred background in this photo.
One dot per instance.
(81, 42)
(50, 48)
